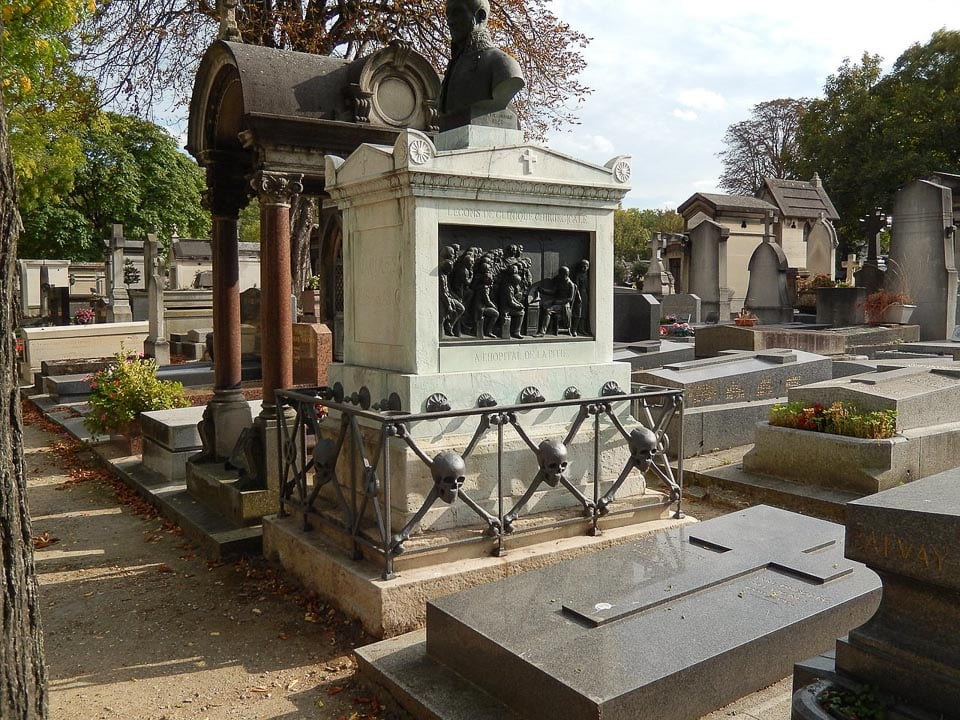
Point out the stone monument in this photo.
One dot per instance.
(118, 308)
(767, 294)
(909, 649)
(477, 276)
(708, 264)
(922, 262)
(658, 281)
(619, 633)
(871, 274)
(156, 345)
(822, 248)
(851, 266)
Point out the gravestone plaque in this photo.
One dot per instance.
(622, 633)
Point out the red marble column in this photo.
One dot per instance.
(275, 191)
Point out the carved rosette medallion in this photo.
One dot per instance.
(275, 188)
(419, 151)
(622, 172)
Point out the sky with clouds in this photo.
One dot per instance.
(668, 78)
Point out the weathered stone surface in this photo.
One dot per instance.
(841, 341)
(841, 307)
(620, 634)
(740, 377)
(312, 353)
(684, 306)
(910, 647)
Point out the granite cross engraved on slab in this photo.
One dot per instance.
(736, 557)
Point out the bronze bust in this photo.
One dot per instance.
(481, 80)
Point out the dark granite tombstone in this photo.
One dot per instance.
(672, 626)
(636, 316)
(910, 536)
(841, 306)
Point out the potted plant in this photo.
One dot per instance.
(311, 299)
(888, 307)
(745, 318)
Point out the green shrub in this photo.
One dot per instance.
(128, 387)
(837, 419)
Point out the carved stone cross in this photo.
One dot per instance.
(228, 20)
(851, 265)
(529, 159)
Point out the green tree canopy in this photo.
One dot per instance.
(633, 228)
(132, 173)
(872, 133)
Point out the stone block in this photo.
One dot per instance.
(198, 335)
(312, 353)
(644, 355)
(216, 487)
(165, 463)
(636, 316)
(841, 307)
(823, 341)
(62, 387)
(740, 377)
(174, 430)
(83, 341)
(685, 307)
(909, 648)
(621, 634)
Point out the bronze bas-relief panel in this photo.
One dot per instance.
(513, 284)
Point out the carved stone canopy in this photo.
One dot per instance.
(256, 108)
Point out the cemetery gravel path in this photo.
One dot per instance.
(138, 626)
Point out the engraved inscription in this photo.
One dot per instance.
(891, 545)
(702, 394)
(496, 356)
(519, 216)
(793, 382)
(765, 388)
(734, 392)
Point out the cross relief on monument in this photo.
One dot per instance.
(811, 555)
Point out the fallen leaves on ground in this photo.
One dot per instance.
(43, 540)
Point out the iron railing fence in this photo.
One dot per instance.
(359, 509)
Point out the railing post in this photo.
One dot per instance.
(679, 514)
(500, 418)
(388, 432)
(595, 530)
(281, 431)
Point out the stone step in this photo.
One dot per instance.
(217, 487)
(65, 388)
(731, 482)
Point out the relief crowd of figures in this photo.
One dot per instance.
(484, 293)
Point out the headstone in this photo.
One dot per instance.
(909, 536)
(250, 307)
(922, 262)
(851, 266)
(118, 300)
(686, 308)
(735, 600)
(871, 274)
(658, 281)
(708, 270)
(767, 294)
(821, 248)
(312, 353)
(636, 316)
(156, 345)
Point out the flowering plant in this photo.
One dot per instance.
(126, 388)
(84, 316)
(838, 419)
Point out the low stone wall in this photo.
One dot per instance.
(865, 466)
(77, 341)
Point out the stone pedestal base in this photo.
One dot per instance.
(216, 487)
(158, 349)
(230, 414)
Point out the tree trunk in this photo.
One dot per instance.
(303, 216)
(23, 676)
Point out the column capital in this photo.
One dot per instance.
(275, 188)
(227, 191)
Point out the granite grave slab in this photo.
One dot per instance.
(620, 634)
(727, 395)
